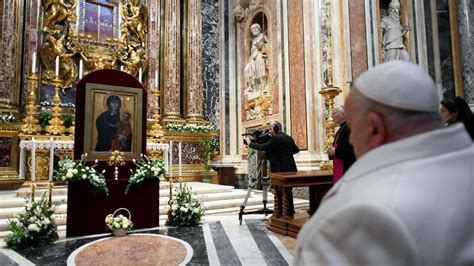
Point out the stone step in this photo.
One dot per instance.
(237, 194)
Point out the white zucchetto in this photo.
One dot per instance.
(401, 85)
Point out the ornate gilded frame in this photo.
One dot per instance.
(95, 104)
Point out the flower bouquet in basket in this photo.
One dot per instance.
(186, 209)
(34, 227)
(119, 225)
(146, 169)
(77, 171)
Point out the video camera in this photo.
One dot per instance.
(258, 136)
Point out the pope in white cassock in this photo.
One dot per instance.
(409, 198)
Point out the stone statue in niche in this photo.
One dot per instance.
(392, 34)
(256, 70)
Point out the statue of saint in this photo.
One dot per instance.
(393, 33)
(256, 70)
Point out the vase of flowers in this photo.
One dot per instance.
(119, 225)
(186, 209)
(78, 171)
(145, 169)
(34, 227)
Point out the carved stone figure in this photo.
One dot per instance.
(256, 70)
(239, 12)
(392, 34)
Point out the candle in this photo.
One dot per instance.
(140, 75)
(51, 159)
(22, 162)
(171, 159)
(33, 159)
(57, 67)
(81, 66)
(33, 66)
(180, 168)
(156, 79)
(121, 68)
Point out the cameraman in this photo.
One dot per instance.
(280, 149)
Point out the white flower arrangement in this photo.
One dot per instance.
(78, 171)
(194, 128)
(35, 227)
(7, 118)
(119, 222)
(186, 209)
(146, 169)
(63, 105)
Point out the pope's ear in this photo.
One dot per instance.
(378, 132)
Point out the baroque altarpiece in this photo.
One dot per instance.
(55, 43)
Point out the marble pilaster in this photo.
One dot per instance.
(465, 13)
(194, 62)
(445, 49)
(210, 61)
(297, 73)
(153, 50)
(358, 38)
(171, 61)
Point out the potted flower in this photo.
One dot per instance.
(146, 169)
(119, 225)
(78, 171)
(186, 209)
(34, 227)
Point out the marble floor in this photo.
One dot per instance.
(220, 240)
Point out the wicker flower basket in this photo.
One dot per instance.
(121, 231)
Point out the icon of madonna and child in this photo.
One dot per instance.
(114, 129)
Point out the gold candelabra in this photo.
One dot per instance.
(33, 188)
(156, 129)
(329, 93)
(31, 125)
(50, 193)
(170, 201)
(116, 159)
(56, 126)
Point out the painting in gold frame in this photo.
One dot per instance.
(112, 121)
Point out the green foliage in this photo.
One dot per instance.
(186, 209)
(34, 227)
(44, 118)
(77, 171)
(194, 128)
(146, 169)
(68, 119)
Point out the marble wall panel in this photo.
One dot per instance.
(358, 37)
(210, 61)
(297, 73)
(466, 38)
(445, 49)
(5, 151)
(191, 153)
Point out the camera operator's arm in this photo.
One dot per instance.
(264, 146)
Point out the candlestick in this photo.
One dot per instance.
(51, 159)
(33, 65)
(57, 67)
(179, 159)
(156, 79)
(80, 68)
(33, 160)
(22, 163)
(140, 75)
(171, 159)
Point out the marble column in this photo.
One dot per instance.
(171, 62)
(194, 62)
(466, 37)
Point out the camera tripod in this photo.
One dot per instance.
(265, 181)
